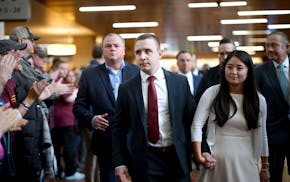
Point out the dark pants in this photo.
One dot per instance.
(107, 172)
(277, 155)
(164, 167)
(65, 137)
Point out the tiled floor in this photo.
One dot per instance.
(286, 177)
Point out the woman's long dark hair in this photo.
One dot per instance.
(223, 100)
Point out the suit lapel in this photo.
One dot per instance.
(138, 99)
(104, 75)
(171, 96)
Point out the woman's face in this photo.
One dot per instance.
(236, 72)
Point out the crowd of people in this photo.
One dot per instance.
(140, 122)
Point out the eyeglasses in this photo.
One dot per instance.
(223, 53)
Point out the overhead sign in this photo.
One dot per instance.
(15, 10)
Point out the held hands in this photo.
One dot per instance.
(264, 175)
(207, 160)
(122, 174)
(100, 122)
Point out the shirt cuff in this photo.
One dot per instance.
(19, 116)
(92, 123)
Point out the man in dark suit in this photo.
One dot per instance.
(278, 123)
(95, 102)
(138, 154)
(185, 63)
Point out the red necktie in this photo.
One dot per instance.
(152, 113)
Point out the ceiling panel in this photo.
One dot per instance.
(176, 20)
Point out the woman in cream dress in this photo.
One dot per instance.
(236, 130)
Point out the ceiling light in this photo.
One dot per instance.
(279, 26)
(216, 4)
(204, 38)
(107, 8)
(244, 21)
(61, 49)
(234, 3)
(135, 24)
(264, 12)
(250, 32)
(131, 35)
(250, 48)
(202, 5)
(257, 40)
(216, 44)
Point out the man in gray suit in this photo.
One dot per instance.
(138, 154)
(277, 98)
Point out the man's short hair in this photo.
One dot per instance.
(149, 36)
(97, 52)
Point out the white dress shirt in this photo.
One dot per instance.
(189, 77)
(165, 130)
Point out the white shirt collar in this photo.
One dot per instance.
(285, 63)
(158, 75)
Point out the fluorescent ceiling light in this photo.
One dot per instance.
(216, 4)
(279, 26)
(250, 32)
(264, 12)
(204, 38)
(234, 3)
(135, 24)
(257, 40)
(250, 48)
(202, 5)
(244, 21)
(61, 49)
(251, 52)
(131, 35)
(216, 44)
(107, 8)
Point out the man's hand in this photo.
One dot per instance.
(56, 88)
(18, 125)
(8, 118)
(207, 160)
(122, 174)
(7, 64)
(100, 122)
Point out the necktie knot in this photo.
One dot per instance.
(151, 79)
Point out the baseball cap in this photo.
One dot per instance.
(22, 32)
(7, 45)
(40, 52)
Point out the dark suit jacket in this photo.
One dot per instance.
(95, 96)
(210, 78)
(196, 80)
(130, 124)
(277, 107)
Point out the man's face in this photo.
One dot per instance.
(224, 50)
(148, 55)
(38, 62)
(63, 69)
(30, 46)
(276, 49)
(184, 63)
(113, 49)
